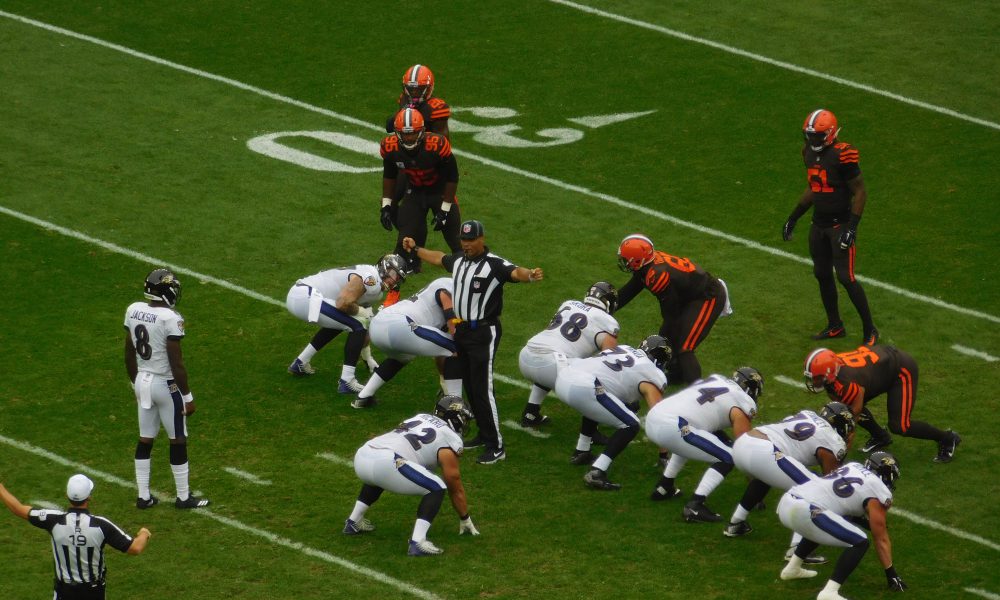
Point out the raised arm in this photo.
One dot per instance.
(13, 504)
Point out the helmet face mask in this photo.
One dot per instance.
(657, 350)
(604, 296)
(408, 125)
(392, 270)
(840, 417)
(822, 367)
(820, 129)
(453, 410)
(418, 84)
(163, 286)
(634, 252)
(885, 466)
(750, 381)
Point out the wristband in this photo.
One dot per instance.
(386, 202)
(449, 314)
(446, 206)
(187, 398)
(464, 518)
(890, 572)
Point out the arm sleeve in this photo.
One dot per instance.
(44, 519)
(113, 535)
(449, 169)
(629, 291)
(448, 261)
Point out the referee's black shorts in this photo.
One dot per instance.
(78, 591)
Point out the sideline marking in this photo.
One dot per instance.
(248, 476)
(973, 352)
(267, 535)
(613, 200)
(778, 63)
(983, 593)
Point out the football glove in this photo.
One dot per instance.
(441, 219)
(847, 238)
(786, 231)
(896, 582)
(385, 216)
(467, 526)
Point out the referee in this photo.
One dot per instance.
(479, 277)
(78, 540)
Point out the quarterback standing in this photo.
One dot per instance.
(153, 361)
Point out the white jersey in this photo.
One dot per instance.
(621, 370)
(423, 306)
(150, 327)
(332, 281)
(419, 438)
(574, 330)
(801, 435)
(844, 490)
(706, 403)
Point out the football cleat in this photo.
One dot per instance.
(349, 387)
(695, 511)
(360, 402)
(492, 456)
(423, 548)
(582, 457)
(300, 369)
(529, 419)
(737, 529)
(812, 559)
(796, 573)
(832, 331)
(598, 480)
(871, 338)
(144, 503)
(946, 448)
(662, 493)
(191, 502)
(358, 527)
(876, 443)
(826, 594)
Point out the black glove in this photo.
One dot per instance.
(896, 583)
(786, 231)
(385, 216)
(847, 238)
(441, 219)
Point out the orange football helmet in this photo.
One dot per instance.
(822, 367)
(409, 127)
(820, 129)
(418, 84)
(635, 251)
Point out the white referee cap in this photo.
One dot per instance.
(78, 488)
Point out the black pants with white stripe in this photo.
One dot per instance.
(477, 348)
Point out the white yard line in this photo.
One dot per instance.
(245, 475)
(935, 525)
(261, 533)
(613, 200)
(335, 459)
(798, 383)
(973, 352)
(530, 431)
(983, 593)
(777, 63)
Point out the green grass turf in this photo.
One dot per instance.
(155, 160)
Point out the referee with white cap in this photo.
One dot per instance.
(78, 540)
(478, 301)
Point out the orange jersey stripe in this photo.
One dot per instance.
(661, 283)
(851, 252)
(699, 325)
(907, 380)
(441, 114)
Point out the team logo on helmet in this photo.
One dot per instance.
(418, 84)
(839, 415)
(885, 466)
(657, 349)
(822, 367)
(408, 125)
(752, 382)
(603, 295)
(634, 252)
(163, 286)
(452, 409)
(820, 129)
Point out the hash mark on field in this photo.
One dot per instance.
(789, 381)
(262, 533)
(530, 431)
(973, 352)
(248, 476)
(983, 593)
(337, 460)
(607, 198)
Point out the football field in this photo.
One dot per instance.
(237, 143)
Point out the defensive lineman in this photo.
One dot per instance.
(607, 389)
(683, 423)
(332, 298)
(578, 329)
(153, 361)
(401, 461)
(416, 326)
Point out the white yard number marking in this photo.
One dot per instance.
(500, 135)
(268, 145)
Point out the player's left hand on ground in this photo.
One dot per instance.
(441, 219)
(896, 583)
(847, 238)
(467, 526)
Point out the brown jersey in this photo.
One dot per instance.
(434, 111)
(874, 368)
(828, 172)
(428, 167)
(672, 279)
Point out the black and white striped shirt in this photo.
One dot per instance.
(479, 284)
(78, 540)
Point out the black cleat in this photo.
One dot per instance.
(533, 419)
(946, 448)
(598, 480)
(661, 493)
(871, 338)
(492, 456)
(582, 457)
(144, 503)
(876, 443)
(360, 402)
(737, 529)
(695, 511)
(191, 502)
(832, 331)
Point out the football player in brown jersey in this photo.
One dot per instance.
(856, 377)
(837, 192)
(424, 158)
(691, 299)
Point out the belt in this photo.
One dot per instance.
(477, 323)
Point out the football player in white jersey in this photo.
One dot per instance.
(607, 388)
(578, 329)
(153, 361)
(403, 461)
(332, 298)
(779, 454)
(825, 511)
(684, 424)
(416, 326)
